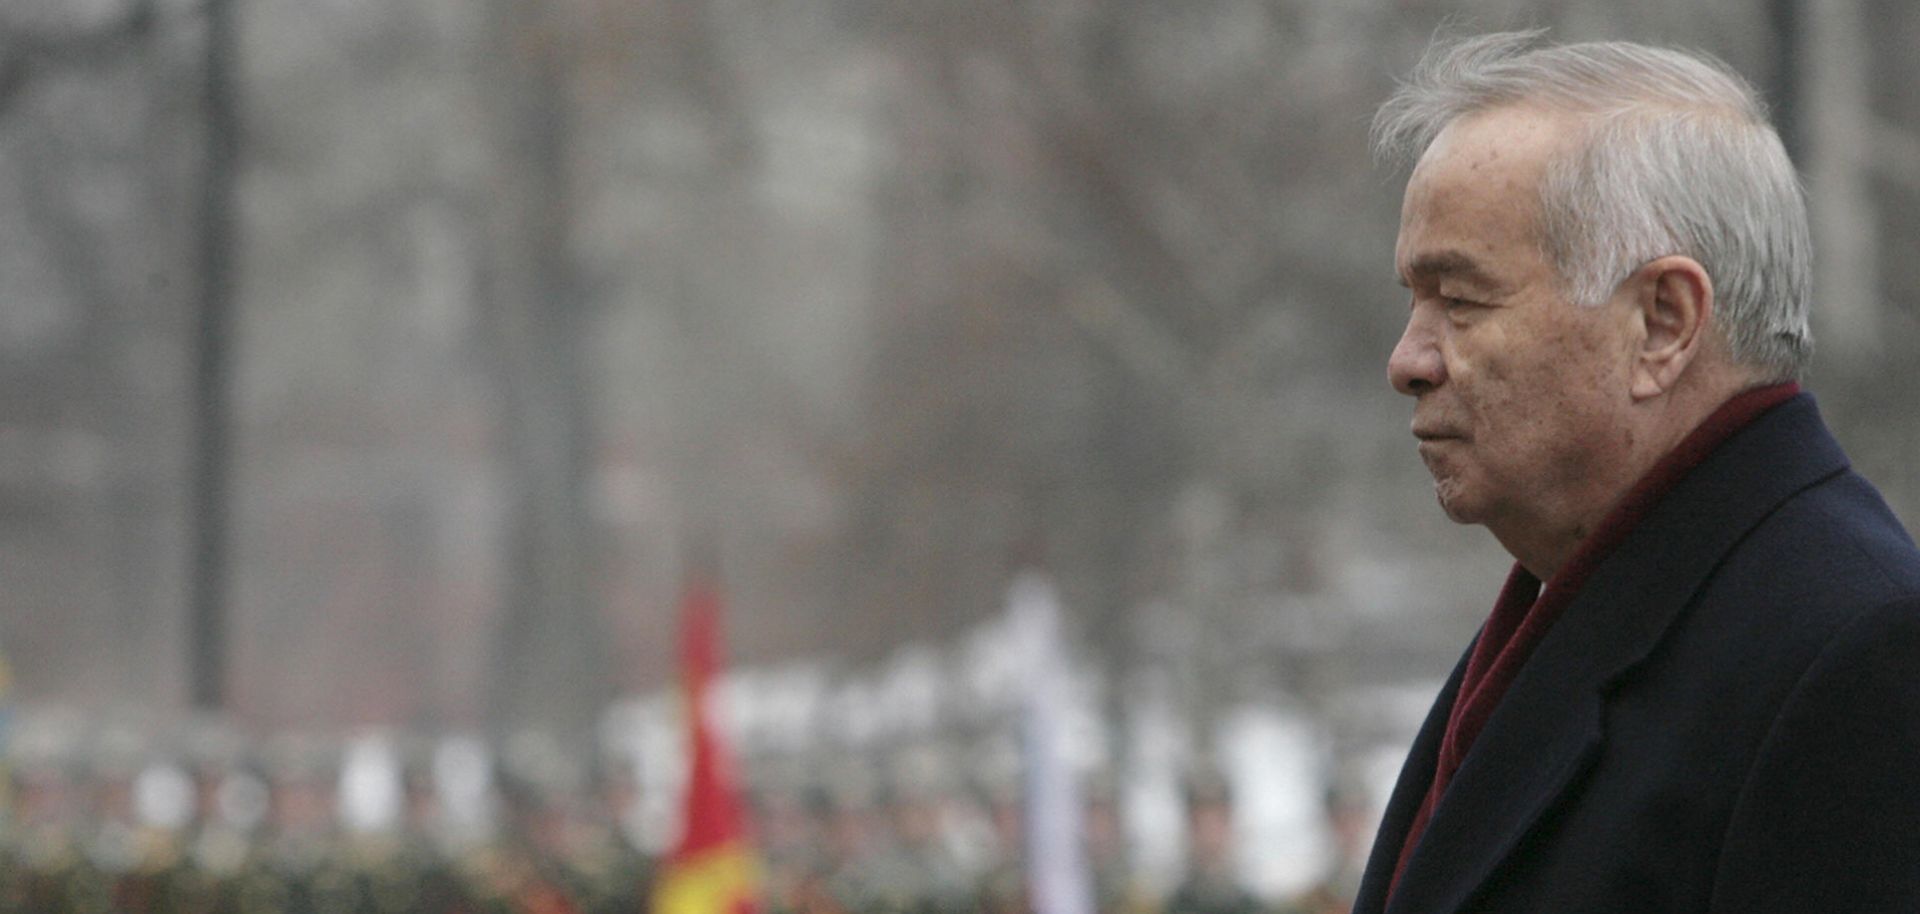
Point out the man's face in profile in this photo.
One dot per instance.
(1519, 392)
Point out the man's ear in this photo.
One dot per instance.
(1674, 301)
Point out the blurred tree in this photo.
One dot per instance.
(1083, 227)
(94, 171)
(212, 389)
(883, 298)
(550, 666)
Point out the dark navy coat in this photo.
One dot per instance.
(1726, 719)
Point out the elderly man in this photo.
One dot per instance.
(1713, 701)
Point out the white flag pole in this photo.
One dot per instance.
(1057, 874)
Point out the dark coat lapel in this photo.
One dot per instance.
(1548, 727)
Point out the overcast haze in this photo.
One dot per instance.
(867, 305)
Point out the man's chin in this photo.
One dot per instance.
(1455, 504)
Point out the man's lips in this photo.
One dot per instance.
(1435, 434)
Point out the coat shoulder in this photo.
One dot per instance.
(1819, 561)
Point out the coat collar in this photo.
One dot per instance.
(1548, 728)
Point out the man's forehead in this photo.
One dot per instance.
(1508, 146)
(1472, 200)
(1511, 127)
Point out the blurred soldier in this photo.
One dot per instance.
(607, 870)
(257, 884)
(299, 843)
(915, 871)
(790, 823)
(1211, 885)
(16, 883)
(203, 853)
(113, 841)
(131, 854)
(1003, 882)
(916, 868)
(1115, 890)
(851, 839)
(408, 870)
(47, 870)
(225, 850)
(525, 871)
(1346, 816)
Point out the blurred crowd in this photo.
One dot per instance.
(291, 830)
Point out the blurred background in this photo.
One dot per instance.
(373, 373)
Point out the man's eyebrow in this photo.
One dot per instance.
(1442, 264)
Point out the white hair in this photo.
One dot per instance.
(1677, 157)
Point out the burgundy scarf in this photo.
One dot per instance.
(1522, 615)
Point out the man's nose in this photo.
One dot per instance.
(1415, 366)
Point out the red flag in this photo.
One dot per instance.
(713, 869)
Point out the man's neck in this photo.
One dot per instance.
(1544, 543)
